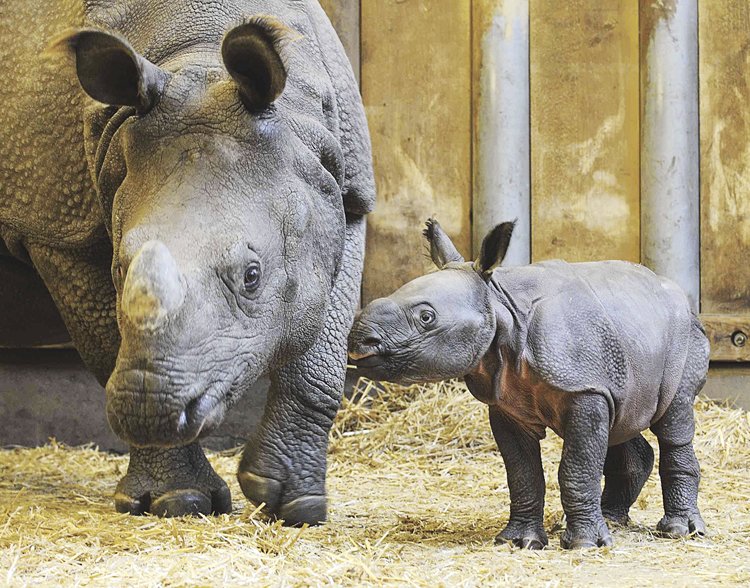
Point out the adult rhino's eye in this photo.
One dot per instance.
(426, 316)
(252, 277)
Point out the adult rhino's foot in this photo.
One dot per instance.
(675, 526)
(171, 482)
(308, 508)
(523, 535)
(584, 536)
(283, 467)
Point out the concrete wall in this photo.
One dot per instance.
(49, 393)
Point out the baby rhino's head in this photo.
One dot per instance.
(437, 326)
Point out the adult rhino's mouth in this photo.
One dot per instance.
(148, 410)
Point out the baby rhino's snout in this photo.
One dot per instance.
(367, 335)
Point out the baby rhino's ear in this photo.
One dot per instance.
(494, 247)
(442, 249)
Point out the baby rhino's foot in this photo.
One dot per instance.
(170, 483)
(584, 536)
(673, 526)
(523, 535)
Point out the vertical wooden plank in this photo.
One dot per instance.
(584, 129)
(725, 155)
(501, 190)
(344, 15)
(416, 86)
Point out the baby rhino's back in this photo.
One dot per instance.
(611, 327)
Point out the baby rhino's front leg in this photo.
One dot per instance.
(586, 435)
(523, 465)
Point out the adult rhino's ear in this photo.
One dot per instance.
(252, 55)
(111, 71)
(494, 247)
(442, 249)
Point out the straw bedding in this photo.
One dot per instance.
(417, 494)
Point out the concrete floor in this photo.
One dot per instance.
(49, 393)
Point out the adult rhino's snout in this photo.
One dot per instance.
(154, 288)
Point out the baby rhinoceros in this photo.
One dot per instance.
(597, 351)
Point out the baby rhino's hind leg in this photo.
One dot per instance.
(678, 466)
(626, 469)
(679, 470)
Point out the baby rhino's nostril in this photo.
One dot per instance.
(372, 341)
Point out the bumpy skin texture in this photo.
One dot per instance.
(175, 481)
(523, 466)
(199, 225)
(598, 352)
(302, 403)
(626, 469)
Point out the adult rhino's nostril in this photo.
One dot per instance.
(182, 422)
(199, 412)
(190, 415)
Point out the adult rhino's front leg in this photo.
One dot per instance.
(81, 287)
(171, 482)
(284, 465)
(167, 482)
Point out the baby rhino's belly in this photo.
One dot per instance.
(531, 401)
(536, 405)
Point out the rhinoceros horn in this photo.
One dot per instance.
(153, 289)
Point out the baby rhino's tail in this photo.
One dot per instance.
(696, 365)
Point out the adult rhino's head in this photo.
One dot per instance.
(438, 326)
(224, 208)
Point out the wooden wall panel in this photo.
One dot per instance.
(724, 26)
(584, 129)
(416, 86)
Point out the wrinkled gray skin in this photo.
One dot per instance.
(197, 224)
(596, 351)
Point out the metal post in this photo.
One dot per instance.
(501, 185)
(670, 144)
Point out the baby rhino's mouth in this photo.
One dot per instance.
(366, 346)
(365, 359)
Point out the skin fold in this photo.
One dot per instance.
(183, 187)
(598, 352)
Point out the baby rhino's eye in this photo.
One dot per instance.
(426, 316)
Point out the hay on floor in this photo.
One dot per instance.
(417, 493)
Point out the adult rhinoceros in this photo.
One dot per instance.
(197, 224)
